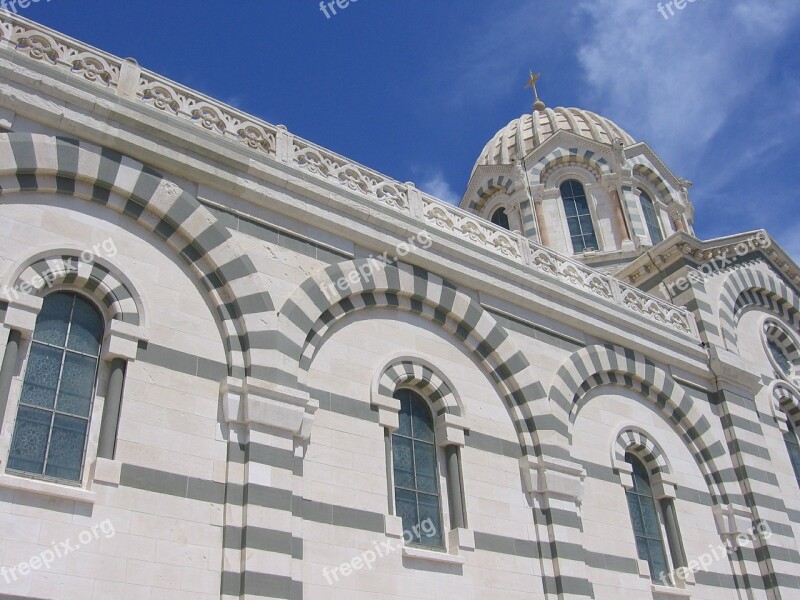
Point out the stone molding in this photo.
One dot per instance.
(22, 312)
(164, 96)
(253, 402)
(553, 476)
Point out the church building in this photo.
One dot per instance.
(238, 366)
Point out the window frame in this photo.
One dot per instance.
(589, 213)
(441, 493)
(92, 416)
(789, 347)
(501, 210)
(792, 441)
(651, 212)
(657, 514)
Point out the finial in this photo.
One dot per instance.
(538, 104)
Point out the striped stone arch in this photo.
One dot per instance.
(642, 167)
(348, 287)
(752, 287)
(59, 165)
(636, 441)
(411, 372)
(552, 169)
(98, 279)
(775, 331)
(493, 185)
(561, 156)
(597, 366)
(786, 402)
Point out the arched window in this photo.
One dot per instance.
(579, 218)
(651, 218)
(793, 446)
(56, 401)
(781, 360)
(416, 479)
(500, 218)
(644, 517)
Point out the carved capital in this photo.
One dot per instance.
(388, 411)
(450, 430)
(22, 311)
(122, 341)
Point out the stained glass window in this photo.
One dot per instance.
(579, 218)
(793, 446)
(500, 218)
(644, 518)
(780, 357)
(56, 400)
(651, 218)
(416, 480)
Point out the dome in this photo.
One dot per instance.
(541, 125)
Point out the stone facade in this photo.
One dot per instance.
(264, 299)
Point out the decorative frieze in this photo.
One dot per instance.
(273, 141)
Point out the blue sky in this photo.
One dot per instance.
(415, 88)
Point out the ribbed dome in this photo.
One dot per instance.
(532, 130)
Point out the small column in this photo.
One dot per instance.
(387, 445)
(675, 212)
(20, 319)
(674, 539)
(111, 409)
(454, 489)
(450, 437)
(9, 367)
(120, 346)
(665, 492)
(538, 211)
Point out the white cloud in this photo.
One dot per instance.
(436, 185)
(678, 80)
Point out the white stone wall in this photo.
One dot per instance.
(172, 490)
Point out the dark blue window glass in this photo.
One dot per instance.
(416, 480)
(793, 446)
(651, 218)
(56, 401)
(644, 518)
(780, 357)
(579, 218)
(500, 218)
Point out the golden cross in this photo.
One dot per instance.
(532, 83)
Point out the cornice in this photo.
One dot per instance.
(301, 180)
(682, 246)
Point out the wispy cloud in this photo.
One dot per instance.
(436, 185)
(678, 80)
